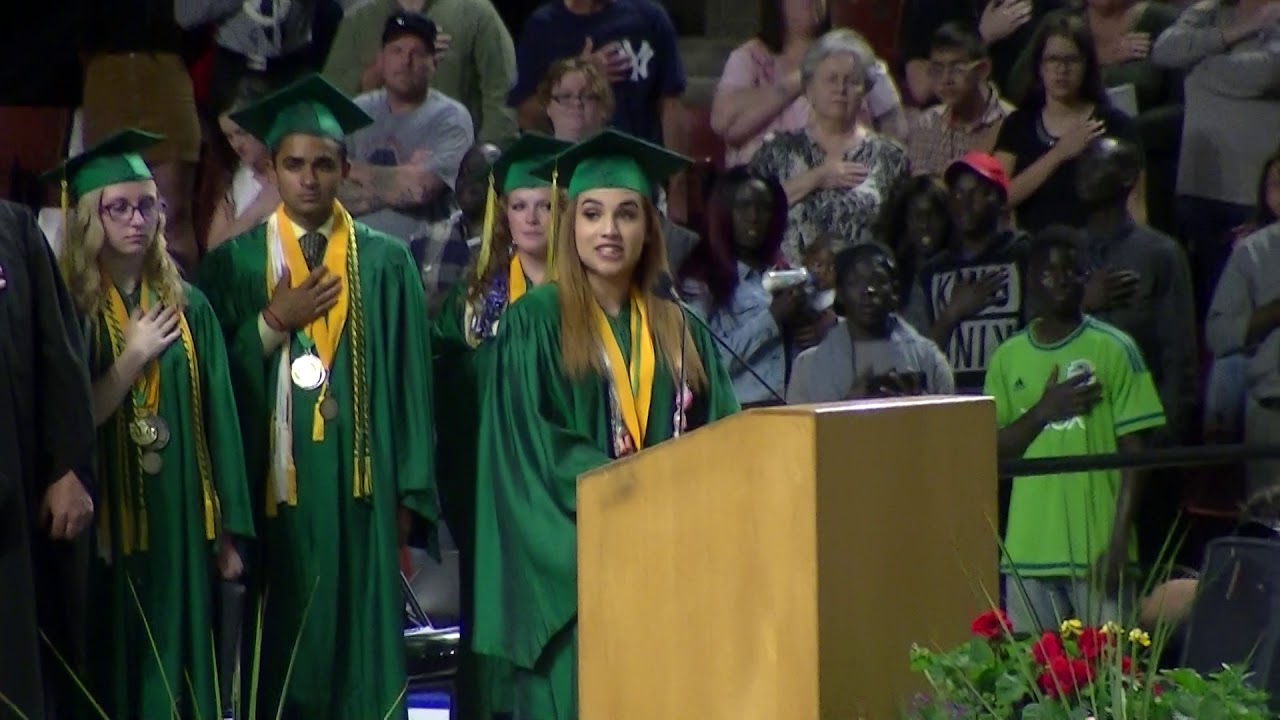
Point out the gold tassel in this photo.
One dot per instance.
(553, 222)
(486, 234)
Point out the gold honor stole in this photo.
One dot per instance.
(516, 285)
(632, 382)
(146, 401)
(341, 259)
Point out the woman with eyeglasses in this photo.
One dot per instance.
(586, 370)
(172, 492)
(577, 99)
(1064, 109)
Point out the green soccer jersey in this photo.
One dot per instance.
(1059, 524)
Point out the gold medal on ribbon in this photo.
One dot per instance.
(329, 408)
(308, 372)
(152, 463)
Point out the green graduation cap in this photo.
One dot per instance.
(114, 160)
(611, 159)
(514, 169)
(310, 106)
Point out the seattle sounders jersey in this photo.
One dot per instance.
(1059, 524)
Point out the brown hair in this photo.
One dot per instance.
(579, 342)
(501, 248)
(84, 239)
(596, 81)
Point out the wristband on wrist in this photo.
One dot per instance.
(273, 321)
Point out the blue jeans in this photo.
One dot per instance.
(1040, 604)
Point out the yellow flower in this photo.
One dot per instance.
(1112, 628)
(1071, 628)
(1139, 636)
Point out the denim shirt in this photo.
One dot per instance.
(747, 326)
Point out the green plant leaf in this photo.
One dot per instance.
(1010, 689)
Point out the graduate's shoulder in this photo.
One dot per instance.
(378, 249)
(248, 250)
(536, 310)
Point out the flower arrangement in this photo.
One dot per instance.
(1107, 672)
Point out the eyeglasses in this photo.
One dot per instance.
(122, 211)
(937, 71)
(580, 99)
(1062, 62)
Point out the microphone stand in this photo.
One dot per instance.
(665, 289)
(684, 332)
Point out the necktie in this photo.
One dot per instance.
(312, 245)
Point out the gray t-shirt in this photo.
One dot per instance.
(442, 126)
(826, 372)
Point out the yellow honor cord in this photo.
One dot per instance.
(553, 222)
(486, 232)
(516, 285)
(633, 384)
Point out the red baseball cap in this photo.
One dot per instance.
(985, 166)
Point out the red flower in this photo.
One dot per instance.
(1092, 642)
(991, 625)
(1063, 676)
(1047, 648)
(1127, 667)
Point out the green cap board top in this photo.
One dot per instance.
(614, 160)
(310, 106)
(110, 162)
(514, 169)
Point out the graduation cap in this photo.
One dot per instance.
(612, 159)
(112, 161)
(310, 106)
(514, 171)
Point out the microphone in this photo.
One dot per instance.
(665, 288)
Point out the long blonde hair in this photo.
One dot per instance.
(579, 340)
(84, 239)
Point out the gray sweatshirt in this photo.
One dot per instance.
(1250, 280)
(1232, 115)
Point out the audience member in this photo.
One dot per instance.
(251, 194)
(475, 65)
(404, 165)
(872, 352)
(971, 297)
(576, 98)
(836, 172)
(970, 109)
(135, 77)
(724, 281)
(443, 258)
(1139, 279)
(1005, 26)
(1070, 385)
(254, 43)
(632, 42)
(760, 93)
(41, 84)
(1242, 321)
(916, 225)
(1064, 110)
(1230, 54)
(1123, 31)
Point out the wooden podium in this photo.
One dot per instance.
(781, 562)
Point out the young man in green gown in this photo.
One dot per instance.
(172, 493)
(555, 408)
(330, 351)
(506, 268)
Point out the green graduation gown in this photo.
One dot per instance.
(329, 577)
(483, 684)
(539, 431)
(174, 576)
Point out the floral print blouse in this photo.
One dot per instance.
(848, 216)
